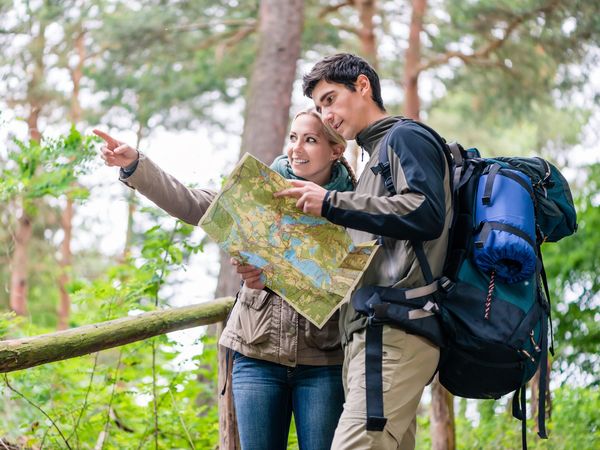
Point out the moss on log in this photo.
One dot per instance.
(17, 354)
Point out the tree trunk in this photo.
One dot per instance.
(442, 417)
(19, 260)
(18, 266)
(229, 436)
(269, 96)
(412, 102)
(368, 50)
(132, 202)
(265, 126)
(535, 386)
(18, 354)
(33, 123)
(368, 44)
(64, 306)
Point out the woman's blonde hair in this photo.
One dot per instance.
(333, 137)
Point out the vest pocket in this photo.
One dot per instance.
(253, 321)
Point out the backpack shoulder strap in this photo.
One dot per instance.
(451, 152)
(384, 169)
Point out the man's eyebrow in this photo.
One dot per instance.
(325, 95)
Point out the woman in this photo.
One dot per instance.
(282, 364)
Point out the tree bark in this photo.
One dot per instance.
(132, 202)
(64, 307)
(18, 266)
(19, 259)
(412, 102)
(269, 96)
(265, 126)
(18, 354)
(535, 386)
(368, 44)
(442, 417)
(229, 435)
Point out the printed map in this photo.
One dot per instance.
(308, 261)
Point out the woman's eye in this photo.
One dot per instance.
(292, 138)
(311, 140)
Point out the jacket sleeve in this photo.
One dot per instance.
(167, 192)
(417, 211)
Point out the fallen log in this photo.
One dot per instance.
(18, 354)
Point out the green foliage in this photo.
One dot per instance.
(115, 390)
(516, 53)
(8, 322)
(574, 423)
(499, 134)
(189, 55)
(172, 64)
(35, 170)
(574, 273)
(112, 391)
(136, 284)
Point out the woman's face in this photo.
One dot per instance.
(310, 153)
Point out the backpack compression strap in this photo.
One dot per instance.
(376, 419)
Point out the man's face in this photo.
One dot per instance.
(340, 107)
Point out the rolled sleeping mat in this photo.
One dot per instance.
(505, 235)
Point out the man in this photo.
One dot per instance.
(346, 91)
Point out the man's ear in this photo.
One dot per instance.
(363, 85)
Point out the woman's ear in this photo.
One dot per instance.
(337, 150)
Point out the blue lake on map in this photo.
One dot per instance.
(308, 267)
(303, 220)
(254, 260)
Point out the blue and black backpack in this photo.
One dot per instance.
(491, 306)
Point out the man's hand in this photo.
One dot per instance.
(310, 196)
(251, 275)
(116, 153)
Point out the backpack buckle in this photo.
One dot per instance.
(389, 184)
(447, 285)
(380, 168)
(377, 313)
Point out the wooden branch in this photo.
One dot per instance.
(18, 354)
(349, 29)
(231, 41)
(205, 25)
(333, 8)
(224, 37)
(491, 46)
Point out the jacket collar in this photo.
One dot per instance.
(370, 137)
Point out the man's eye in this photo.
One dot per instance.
(329, 99)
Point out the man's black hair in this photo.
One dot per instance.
(343, 68)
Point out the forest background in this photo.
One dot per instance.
(197, 83)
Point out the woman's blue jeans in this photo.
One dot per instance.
(266, 394)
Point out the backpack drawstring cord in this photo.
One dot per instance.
(488, 300)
